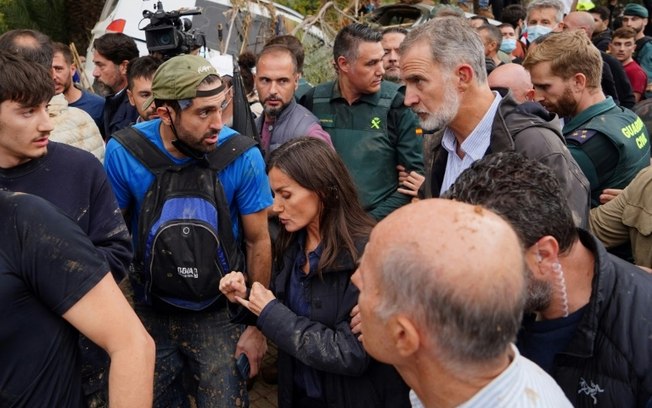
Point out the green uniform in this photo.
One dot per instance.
(611, 145)
(303, 87)
(372, 136)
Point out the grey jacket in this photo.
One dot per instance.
(294, 121)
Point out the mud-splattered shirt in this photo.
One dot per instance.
(47, 264)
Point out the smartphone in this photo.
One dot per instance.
(243, 366)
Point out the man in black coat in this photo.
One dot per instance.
(588, 314)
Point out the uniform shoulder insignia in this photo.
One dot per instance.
(580, 136)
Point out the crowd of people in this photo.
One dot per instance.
(461, 218)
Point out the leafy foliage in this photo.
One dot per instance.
(62, 20)
(47, 16)
(305, 7)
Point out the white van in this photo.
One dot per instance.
(217, 22)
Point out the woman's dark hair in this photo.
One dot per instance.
(315, 166)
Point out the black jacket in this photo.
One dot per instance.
(527, 129)
(349, 377)
(118, 114)
(602, 40)
(610, 355)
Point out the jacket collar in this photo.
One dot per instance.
(583, 342)
(589, 113)
(371, 99)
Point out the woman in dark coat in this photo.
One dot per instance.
(307, 312)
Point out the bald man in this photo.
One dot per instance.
(515, 78)
(447, 321)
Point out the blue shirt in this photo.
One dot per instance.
(474, 146)
(299, 297)
(91, 104)
(245, 183)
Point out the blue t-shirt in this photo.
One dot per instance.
(91, 104)
(245, 183)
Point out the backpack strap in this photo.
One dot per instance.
(640, 43)
(143, 149)
(318, 100)
(230, 150)
(155, 160)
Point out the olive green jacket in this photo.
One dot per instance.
(628, 218)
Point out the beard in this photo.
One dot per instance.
(566, 105)
(274, 112)
(447, 112)
(65, 86)
(195, 143)
(392, 77)
(392, 73)
(198, 143)
(539, 294)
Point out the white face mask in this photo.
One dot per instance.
(536, 31)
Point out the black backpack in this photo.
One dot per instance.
(185, 238)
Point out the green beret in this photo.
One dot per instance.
(633, 9)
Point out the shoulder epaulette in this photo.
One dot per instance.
(581, 136)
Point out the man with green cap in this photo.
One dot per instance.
(201, 341)
(636, 16)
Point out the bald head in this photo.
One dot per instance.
(515, 78)
(471, 233)
(580, 20)
(456, 269)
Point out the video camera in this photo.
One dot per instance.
(168, 34)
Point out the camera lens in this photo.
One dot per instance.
(165, 38)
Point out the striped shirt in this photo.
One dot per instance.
(474, 146)
(522, 384)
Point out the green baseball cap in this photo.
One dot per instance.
(633, 9)
(178, 78)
